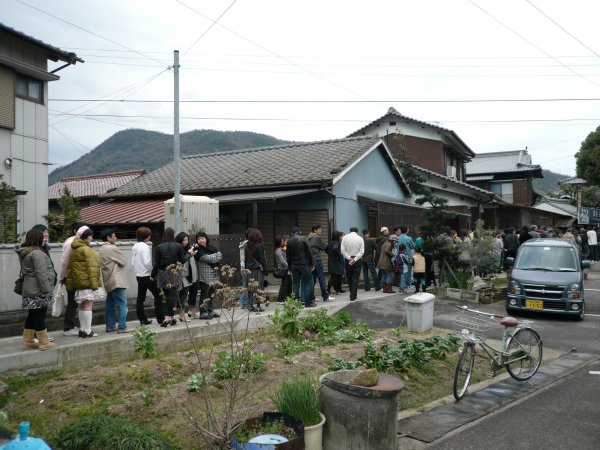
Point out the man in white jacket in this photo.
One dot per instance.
(141, 260)
(353, 248)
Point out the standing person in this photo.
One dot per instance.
(285, 289)
(498, 248)
(245, 304)
(404, 264)
(406, 278)
(385, 263)
(301, 265)
(83, 277)
(419, 270)
(336, 262)
(39, 279)
(511, 243)
(368, 262)
(69, 328)
(524, 236)
(256, 263)
(189, 282)
(112, 264)
(208, 258)
(381, 239)
(141, 260)
(317, 246)
(168, 254)
(353, 248)
(592, 243)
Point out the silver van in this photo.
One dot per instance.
(547, 276)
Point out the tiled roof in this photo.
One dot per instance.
(92, 185)
(573, 181)
(501, 162)
(393, 114)
(290, 165)
(115, 212)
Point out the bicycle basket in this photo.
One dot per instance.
(475, 323)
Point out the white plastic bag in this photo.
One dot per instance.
(59, 300)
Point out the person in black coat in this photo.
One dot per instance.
(255, 262)
(335, 262)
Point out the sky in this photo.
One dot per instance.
(503, 75)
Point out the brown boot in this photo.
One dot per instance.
(385, 288)
(43, 338)
(28, 342)
(390, 290)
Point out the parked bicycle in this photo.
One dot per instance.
(520, 351)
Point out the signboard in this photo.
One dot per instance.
(588, 216)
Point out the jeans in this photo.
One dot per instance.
(405, 279)
(145, 285)
(387, 277)
(420, 282)
(116, 299)
(319, 274)
(352, 277)
(244, 295)
(369, 267)
(303, 284)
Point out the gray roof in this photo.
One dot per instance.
(573, 181)
(393, 114)
(295, 165)
(501, 162)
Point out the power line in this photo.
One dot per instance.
(489, 100)
(214, 22)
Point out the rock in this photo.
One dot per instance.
(366, 378)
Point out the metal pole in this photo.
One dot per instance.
(176, 143)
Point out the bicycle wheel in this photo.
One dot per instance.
(464, 370)
(524, 350)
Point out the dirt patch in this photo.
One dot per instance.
(154, 391)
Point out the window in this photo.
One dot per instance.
(7, 98)
(503, 190)
(30, 89)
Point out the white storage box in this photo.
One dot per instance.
(419, 312)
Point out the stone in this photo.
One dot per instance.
(367, 378)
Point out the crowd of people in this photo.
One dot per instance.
(181, 275)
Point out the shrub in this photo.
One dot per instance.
(231, 365)
(299, 398)
(286, 319)
(195, 382)
(101, 432)
(144, 341)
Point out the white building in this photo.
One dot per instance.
(24, 77)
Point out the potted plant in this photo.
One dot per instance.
(271, 431)
(299, 398)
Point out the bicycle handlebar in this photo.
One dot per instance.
(466, 308)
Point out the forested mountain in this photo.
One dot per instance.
(549, 183)
(143, 149)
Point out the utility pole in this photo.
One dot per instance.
(176, 143)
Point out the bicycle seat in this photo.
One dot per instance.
(509, 322)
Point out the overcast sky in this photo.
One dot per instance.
(321, 69)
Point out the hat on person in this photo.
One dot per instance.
(384, 229)
(81, 230)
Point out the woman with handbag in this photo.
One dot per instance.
(168, 266)
(189, 282)
(281, 269)
(256, 263)
(83, 277)
(39, 279)
(335, 262)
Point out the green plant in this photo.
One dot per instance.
(342, 364)
(102, 432)
(459, 279)
(8, 213)
(195, 382)
(356, 332)
(247, 431)
(299, 398)
(147, 396)
(288, 348)
(144, 341)
(232, 365)
(285, 320)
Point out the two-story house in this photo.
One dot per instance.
(509, 175)
(24, 77)
(440, 155)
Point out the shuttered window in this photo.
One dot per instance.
(7, 98)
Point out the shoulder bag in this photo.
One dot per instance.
(19, 283)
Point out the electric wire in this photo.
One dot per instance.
(210, 27)
(488, 100)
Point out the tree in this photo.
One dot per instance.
(588, 158)
(69, 206)
(8, 213)
(590, 197)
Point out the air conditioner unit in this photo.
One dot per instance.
(451, 172)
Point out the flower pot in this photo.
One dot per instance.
(313, 436)
(296, 425)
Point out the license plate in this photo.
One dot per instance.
(534, 304)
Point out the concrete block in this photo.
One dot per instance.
(470, 296)
(454, 293)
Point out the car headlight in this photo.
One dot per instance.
(573, 291)
(514, 287)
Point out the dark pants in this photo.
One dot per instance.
(319, 274)
(187, 295)
(352, 277)
(594, 252)
(70, 312)
(36, 319)
(206, 297)
(303, 285)
(172, 296)
(368, 267)
(285, 290)
(145, 285)
(420, 281)
(335, 282)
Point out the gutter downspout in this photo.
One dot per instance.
(334, 221)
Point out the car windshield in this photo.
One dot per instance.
(555, 259)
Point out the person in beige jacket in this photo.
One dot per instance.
(419, 270)
(112, 264)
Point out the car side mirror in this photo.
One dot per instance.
(585, 264)
(510, 261)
